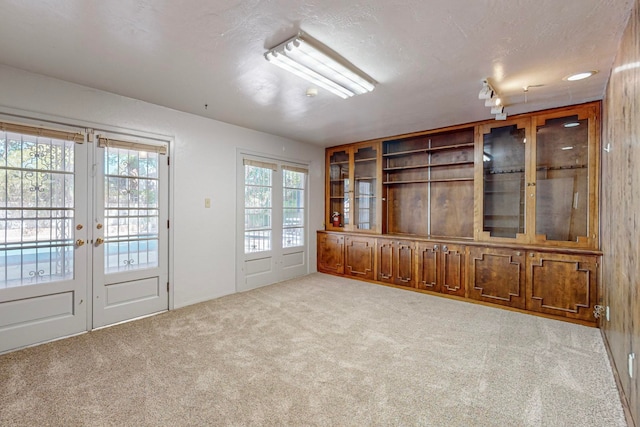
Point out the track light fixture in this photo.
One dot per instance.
(492, 100)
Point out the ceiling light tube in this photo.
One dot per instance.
(307, 74)
(301, 57)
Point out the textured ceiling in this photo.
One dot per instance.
(429, 57)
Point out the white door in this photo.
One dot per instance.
(43, 234)
(272, 234)
(130, 230)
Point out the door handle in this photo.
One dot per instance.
(99, 241)
(79, 242)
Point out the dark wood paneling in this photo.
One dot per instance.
(620, 219)
(497, 276)
(562, 284)
(359, 256)
(330, 253)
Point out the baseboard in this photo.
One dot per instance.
(616, 376)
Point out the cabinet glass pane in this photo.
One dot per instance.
(504, 201)
(339, 188)
(562, 181)
(365, 183)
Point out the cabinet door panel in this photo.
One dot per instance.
(452, 270)
(427, 255)
(385, 260)
(360, 257)
(497, 276)
(403, 263)
(561, 284)
(331, 253)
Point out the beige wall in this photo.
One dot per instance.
(621, 211)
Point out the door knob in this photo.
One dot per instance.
(99, 241)
(79, 242)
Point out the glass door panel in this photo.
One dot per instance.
(503, 181)
(365, 188)
(562, 179)
(339, 189)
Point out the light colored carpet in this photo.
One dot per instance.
(319, 350)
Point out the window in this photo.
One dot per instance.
(293, 206)
(258, 201)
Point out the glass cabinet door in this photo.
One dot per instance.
(562, 178)
(365, 165)
(338, 190)
(504, 160)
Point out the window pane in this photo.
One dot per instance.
(562, 181)
(257, 241)
(292, 237)
(37, 209)
(293, 179)
(257, 208)
(131, 210)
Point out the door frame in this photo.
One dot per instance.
(241, 153)
(91, 129)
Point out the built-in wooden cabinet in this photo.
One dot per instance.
(353, 188)
(428, 184)
(500, 212)
(441, 267)
(562, 284)
(538, 183)
(497, 275)
(331, 253)
(396, 262)
(359, 256)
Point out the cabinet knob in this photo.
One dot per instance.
(531, 254)
(445, 248)
(435, 247)
(518, 253)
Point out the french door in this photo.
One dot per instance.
(272, 237)
(81, 241)
(130, 231)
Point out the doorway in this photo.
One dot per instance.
(83, 232)
(272, 221)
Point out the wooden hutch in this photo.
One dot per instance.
(498, 212)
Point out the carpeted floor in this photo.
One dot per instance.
(323, 351)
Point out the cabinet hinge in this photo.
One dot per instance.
(167, 223)
(167, 286)
(168, 161)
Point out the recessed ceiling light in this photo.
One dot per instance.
(571, 124)
(579, 76)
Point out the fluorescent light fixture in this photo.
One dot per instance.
(306, 58)
(580, 76)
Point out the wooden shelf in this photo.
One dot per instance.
(419, 181)
(372, 159)
(428, 150)
(364, 178)
(433, 165)
(346, 162)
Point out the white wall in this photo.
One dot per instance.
(203, 165)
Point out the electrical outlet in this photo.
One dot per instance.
(207, 202)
